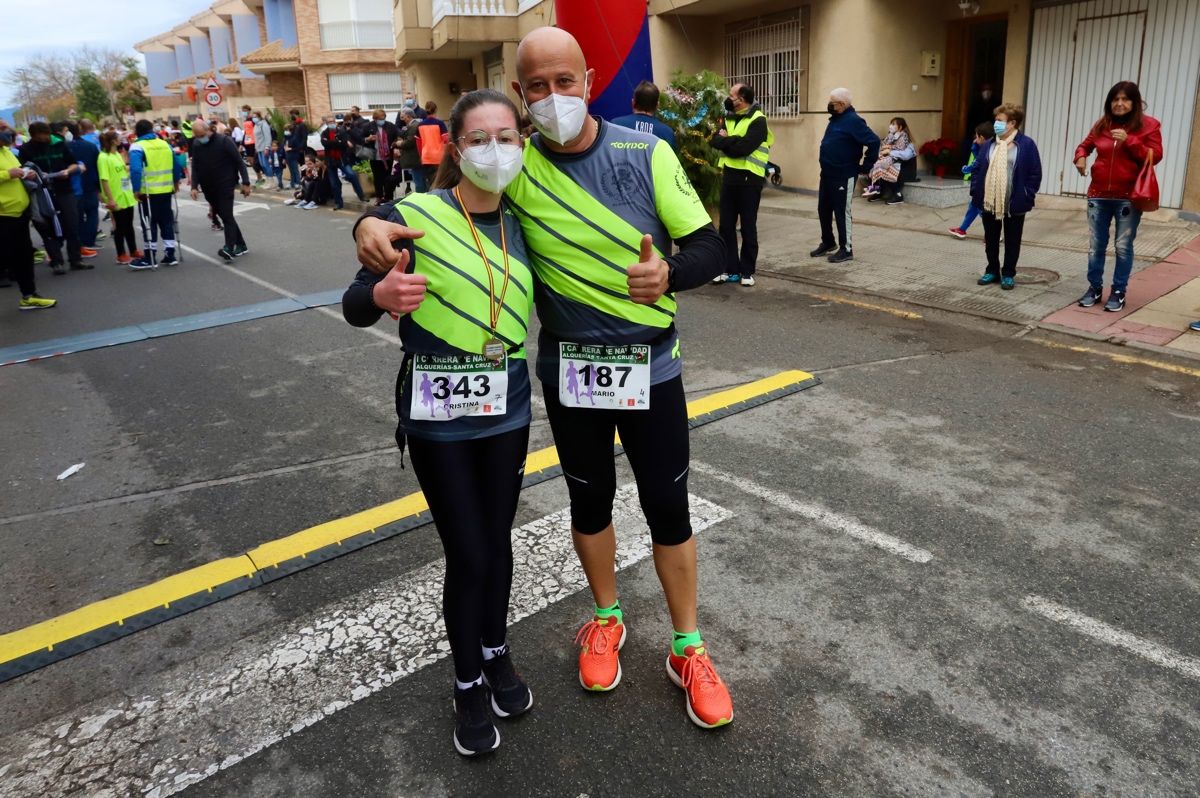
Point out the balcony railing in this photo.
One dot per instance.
(472, 8)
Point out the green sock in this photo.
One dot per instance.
(611, 612)
(682, 640)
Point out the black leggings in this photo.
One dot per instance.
(124, 237)
(472, 488)
(656, 443)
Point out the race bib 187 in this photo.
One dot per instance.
(604, 377)
(446, 387)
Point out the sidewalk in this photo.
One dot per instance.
(905, 253)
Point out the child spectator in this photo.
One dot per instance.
(896, 147)
(276, 161)
(314, 183)
(983, 134)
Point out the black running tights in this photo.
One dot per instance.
(472, 488)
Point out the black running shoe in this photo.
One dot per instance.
(824, 249)
(474, 732)
(510, 695)
(841, 256)
(1116, 301)
(226, 253)
(1091, 297)
(239, 250)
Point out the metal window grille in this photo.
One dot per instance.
(350, 24)
(765, 54)
(366, 90)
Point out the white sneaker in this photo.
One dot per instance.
(308, 206)
(291, 201)
(748, 282)
(720, 278)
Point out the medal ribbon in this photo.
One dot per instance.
(494, 305)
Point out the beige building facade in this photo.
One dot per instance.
(925, 60)
(317, 56)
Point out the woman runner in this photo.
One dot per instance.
(464, 293)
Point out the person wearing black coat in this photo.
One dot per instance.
(216, 168)
(381, 138)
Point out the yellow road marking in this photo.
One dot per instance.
(904, 314)
(46, 635)
(1129, 360)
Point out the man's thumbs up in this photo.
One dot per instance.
(649, 277)
(399, 291)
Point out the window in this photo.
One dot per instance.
(366, 90)
(765, 53)
(348, 24)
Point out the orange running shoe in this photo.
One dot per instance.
(88, 252)
(124, 260)
(708, 702)
(599, 664)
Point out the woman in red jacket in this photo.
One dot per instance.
(1123, 139)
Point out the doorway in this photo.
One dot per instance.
(975, 52)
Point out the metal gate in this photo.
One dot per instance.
(1079, 50)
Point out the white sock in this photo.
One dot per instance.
(468, 685)
(490, 654)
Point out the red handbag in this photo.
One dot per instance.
(1145, 188)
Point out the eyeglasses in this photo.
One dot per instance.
(479, 138)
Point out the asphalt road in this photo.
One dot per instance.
(965, 564)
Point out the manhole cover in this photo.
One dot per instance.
(1029, 276)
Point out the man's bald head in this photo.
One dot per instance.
(199, 128)
(548, 44)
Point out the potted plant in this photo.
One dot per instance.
(363, 170)
(939, 153)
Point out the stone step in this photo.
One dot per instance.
(937, 192)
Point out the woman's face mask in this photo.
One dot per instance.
(493, 166)
(1000, 127)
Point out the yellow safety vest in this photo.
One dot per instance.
(755, 162)
(158, 172)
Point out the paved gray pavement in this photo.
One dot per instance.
(905, 253)
(1045, 646)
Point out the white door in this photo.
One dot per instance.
(495, 77)
(1108, 49)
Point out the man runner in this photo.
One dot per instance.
(591, 198)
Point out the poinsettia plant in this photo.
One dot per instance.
(693, 105)
(939, 152)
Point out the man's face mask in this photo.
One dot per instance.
(559, 117)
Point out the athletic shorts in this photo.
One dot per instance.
(656, 443)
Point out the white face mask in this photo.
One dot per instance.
(493, 166)
(558, 117)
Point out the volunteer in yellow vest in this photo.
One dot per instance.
(16, 247)
(116, 193)
(744, 141)
(599, 206)
(155, 175)
(463, 294)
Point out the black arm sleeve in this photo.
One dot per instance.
(357, 306)
(701, 257)
(741, 146)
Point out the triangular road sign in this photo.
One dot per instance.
(212, 84)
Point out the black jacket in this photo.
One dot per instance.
(51, 157)
(217, 165)
(842, 147)
(393, 135)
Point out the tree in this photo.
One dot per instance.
(692, 106)
(91, 98)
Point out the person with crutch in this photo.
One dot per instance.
(216, 169)
(155, 174)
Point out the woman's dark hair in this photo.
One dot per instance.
(901, 125)
(109, 140)
(448, 173)
(1134, 120)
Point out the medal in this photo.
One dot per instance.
(493, 349)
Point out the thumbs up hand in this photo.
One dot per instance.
(399, 291)
(648, 278)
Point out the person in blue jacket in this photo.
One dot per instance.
(846, 139)
(87, 189)
(1004, 185)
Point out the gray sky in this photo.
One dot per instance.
(60, 25)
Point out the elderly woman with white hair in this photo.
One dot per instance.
(847, 150)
